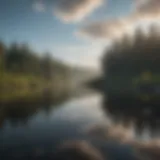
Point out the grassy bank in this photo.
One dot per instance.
(27, 76)
(16, 87)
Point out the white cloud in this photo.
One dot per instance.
(39, 6)
(146, 6)
(146, 11)
(75, 10)
(104, 29)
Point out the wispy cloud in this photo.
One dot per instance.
(75, 10)
(39, 6)
(103, 29)
(145, 11)
(145, 6)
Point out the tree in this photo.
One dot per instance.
(126, 59)
(2, 54)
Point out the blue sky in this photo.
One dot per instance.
(34, 22)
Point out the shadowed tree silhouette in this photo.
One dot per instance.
(133, 62)
(2, 52)
(131, 81)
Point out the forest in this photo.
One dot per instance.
(27, 75)
(134, 55)
(131, 66)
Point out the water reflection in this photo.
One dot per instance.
(31, 129)
(20, 113)
(145, 117)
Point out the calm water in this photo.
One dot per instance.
(35, 130)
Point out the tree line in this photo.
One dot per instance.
(28, 76)
(134, 55)
(21, 59)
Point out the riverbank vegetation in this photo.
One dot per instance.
(134, 55)
(25, 75)
(131, 67)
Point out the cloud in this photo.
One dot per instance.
(145, 12)
(147, 9)
(104, 29)
(146, 6)
(75, 10)
(39, 6)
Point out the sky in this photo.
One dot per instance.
(74, 31)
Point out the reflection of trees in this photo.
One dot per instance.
(17, 114)
(20, 113)
(2, 116)
(126, 112)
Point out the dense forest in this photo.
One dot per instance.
(26, 74)
(134, 55)
(131, 66)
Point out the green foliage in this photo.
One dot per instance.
(25, 74)
(2, 52)
(22, 60)
(133, 56)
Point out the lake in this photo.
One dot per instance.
(31, 131)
